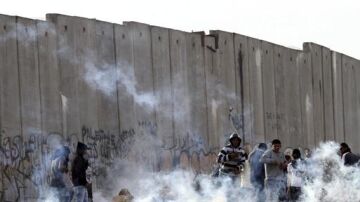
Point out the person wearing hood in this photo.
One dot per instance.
(78, 173)
(58, 174)
(232, 158)
(347, 156)
(257, 170)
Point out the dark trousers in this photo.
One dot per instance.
(294, 193)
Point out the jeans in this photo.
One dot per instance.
(275, 189)
(258, 184)
(81, 194)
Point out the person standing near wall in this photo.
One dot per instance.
(296, 172)
(78, 173)
(347, 156)
(275, 181)
(232, 158)
(59, 170)
(257, 170)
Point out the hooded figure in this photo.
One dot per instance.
(78, 172)
(232, 157)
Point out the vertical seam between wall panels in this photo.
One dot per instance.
(333, 94)
(206, 93)
(19, 77)
(323, 96)
(116, 79)
(262, 88)
(171, 90)
(342, 96)
(152, 71)
(39, 74)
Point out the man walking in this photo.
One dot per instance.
(78, 172)
(257, 170)
(275, 180)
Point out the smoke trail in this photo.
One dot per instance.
(106, 77)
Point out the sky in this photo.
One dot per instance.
(334, 24)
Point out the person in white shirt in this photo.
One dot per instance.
(295, 176)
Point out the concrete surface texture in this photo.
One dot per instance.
(159, 97)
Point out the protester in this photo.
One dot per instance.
(78, 172)
(275, 181)
(232, 158)
(59, 179)
(308, 153)
(257, 170)
(296, 172)
(347, 156)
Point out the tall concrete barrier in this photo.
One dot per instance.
(158, 97)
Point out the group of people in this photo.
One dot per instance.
(69, 186)
(274, 175)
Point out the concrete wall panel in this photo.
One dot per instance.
(197, 89)
(108, 116)
(85, 51)
(163, 83)
(256, 89)
(293, 100)
(318, 90)
(180, 85)
(226, 86)
(69, 73)
(125, 69)
(9, 82)
(10, 117)
(349, 99)
(49, 75)
(338, 96)
(306, 99)
(145, 101)
(211, 75)
(329, 124)
(243, 84)
(268, 82)
(356, 137)
(280, 65)
(28, 76)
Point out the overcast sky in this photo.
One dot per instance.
(335, 24)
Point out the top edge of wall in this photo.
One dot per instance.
(51, 17)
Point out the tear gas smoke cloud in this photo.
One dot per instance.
(327, 179)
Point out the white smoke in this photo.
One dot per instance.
(329, 179)
(106, 77)
(176, 186)
(326, 179)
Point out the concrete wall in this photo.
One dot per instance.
(129, 89)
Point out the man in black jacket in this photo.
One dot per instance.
(347, 156)
(78, 172)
